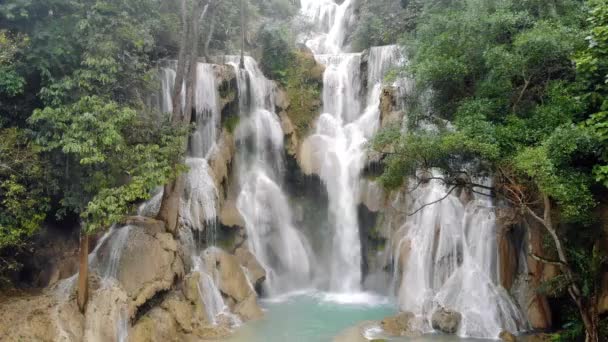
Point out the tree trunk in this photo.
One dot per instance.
(83, 273)
(182, 112)
(587, 307)
(242, 64)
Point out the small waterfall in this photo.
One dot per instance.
(337, 150)
(208, 282)
(207, 111)
(448, 256)
(198, 208)
(279, 246)
(116, 244)
(332, 22)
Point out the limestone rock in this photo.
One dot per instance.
(371, 195)
(230, 215)
(157, 326)
(249, 309)
(507, 336)
(389, 113)
(446, 321)
(292, 140)
(221, 160)
(233, 281)
(104, 312)
(401, 325)
(255, 271)
(281, 100)
(149, 262)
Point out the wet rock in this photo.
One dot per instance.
(233, 283)
(104, 312)
(221, 160)
(157, 326)
(149, 263)
(230, 215)
(249, 309)
(256, 272)
(401, 325)
(446, 321)
(507, 336)
(389, 113)
(371, 195)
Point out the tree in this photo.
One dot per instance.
(509, 87)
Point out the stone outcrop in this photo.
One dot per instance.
(403, 324)
(233, 283)
(390, 113)
(149, 263)
(255, 271)
(507, 336)
(106, 307)
(446, 321)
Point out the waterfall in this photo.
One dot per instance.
(331, 21)
(207, 111)
(449, 259)
(198, 207)
(336, 151)
(282, 250)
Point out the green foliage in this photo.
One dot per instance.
(277, 53)
(231, 123)
(24, 200)
(303, 82)
(120, 160)
(592, 67)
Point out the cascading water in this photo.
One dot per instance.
(207, 112)
(281, 249)
(448, 256)
(336, 151)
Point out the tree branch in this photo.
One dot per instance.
(434, 202)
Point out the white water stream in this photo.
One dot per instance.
(283, 251)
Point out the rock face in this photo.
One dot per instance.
(507, 336)
(401, 325)
(149, 263)
(233, 283)
(255, 271)
(446, 321)
(389, 112)
(106, 307)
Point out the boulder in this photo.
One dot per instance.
(507, 336)
(156, 326)
(107, 306)
(255, 271)
(233, 283)
(230, 215)
(401, 325)
(389, 113)
(446, 321)
(221, 160)
(249, 309)
(148, 264)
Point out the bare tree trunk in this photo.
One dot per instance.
(83, 273)
(242, 64)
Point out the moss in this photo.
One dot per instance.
(231, 122)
